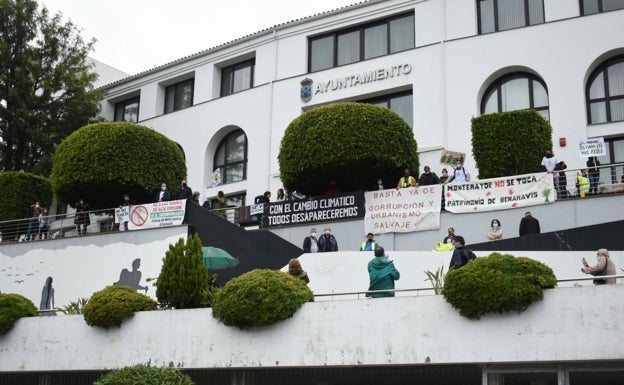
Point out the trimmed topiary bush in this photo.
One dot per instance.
(351, 143)
(101, 162)
(144, 375)
(183, 282)
(111, 305)
(510, 143)
(496, 284)
(12, 308)
(260, 297)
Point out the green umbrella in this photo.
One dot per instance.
(217, 259)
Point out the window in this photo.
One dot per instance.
(516, 91)
(127, 110)
(605, 92)
(382, 37)
(500, 15)
(179, 96)
(614, 148)
(231, 157)
(589, 7)
(238, 77)
(400, 103)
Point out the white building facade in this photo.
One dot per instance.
(437, 63)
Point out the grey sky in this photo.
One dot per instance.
(136, 35)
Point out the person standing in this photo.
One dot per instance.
(281, 196)
(549, 162)
(459, 174)
(407, 180)
(496, 230)
(450, 236)
(443, 176)
(327, 242)
(369, 244)
(561, 184)
(381, 274)
(185, 191)
(594, 174)
(605, 266)
(295, 269)
(428, 178)
(33, 221)
(44, 224)
(82, 220)
(310, 243)
(264, 198)
(461, 255)
(221, 204)
(164, 194)
(529, 225)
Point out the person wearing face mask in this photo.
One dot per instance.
(407, 180)
(443, 176)
(163, 194)
(549, 162)
(459, 174)
(310, 244)
(496, 231)
(327, 242)
(33, 223)
(428, 178)
(185, 191)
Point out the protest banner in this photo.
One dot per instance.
(592, 147)
(500, 193)
(319, 209)
(403, 210)
(452, 157)
(122, 214)
(159, 214)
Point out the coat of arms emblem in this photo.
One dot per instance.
(306, 90)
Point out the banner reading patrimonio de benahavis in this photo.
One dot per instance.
(502, 193)
(403, 210)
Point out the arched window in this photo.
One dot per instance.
(516, 91)
(231, 157)
(605, 92)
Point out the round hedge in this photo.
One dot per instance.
(144, 375)
(111, 305)
(260, 297)
(12, 308)
(351, 143)
(102, 161)
(496, 284)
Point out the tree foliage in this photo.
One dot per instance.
(260, 297)
(497, 283)
(183, 278)
(510, 143)
(45, 84)
(102, 161)
(111, 305)
(351, 143)
(12, 308)
(19, 191)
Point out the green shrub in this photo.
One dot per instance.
(102, 161)
(183, 281)
(111, 305)
(351, 143)
(144, 375)
(496, 284)
(510, 143)
(13, 307)
(260, 297)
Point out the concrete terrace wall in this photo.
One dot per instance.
(568, 325)
(79, 266)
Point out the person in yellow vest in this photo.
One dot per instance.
(583, 183)
(369, 244)
(407, 180)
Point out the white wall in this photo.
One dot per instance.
(568, 325)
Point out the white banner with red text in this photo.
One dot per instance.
(403, 210)
(147, 216)
(500, 193)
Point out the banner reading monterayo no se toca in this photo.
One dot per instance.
(500, 193)
(319, 209)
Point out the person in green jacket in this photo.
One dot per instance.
(382, 274)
